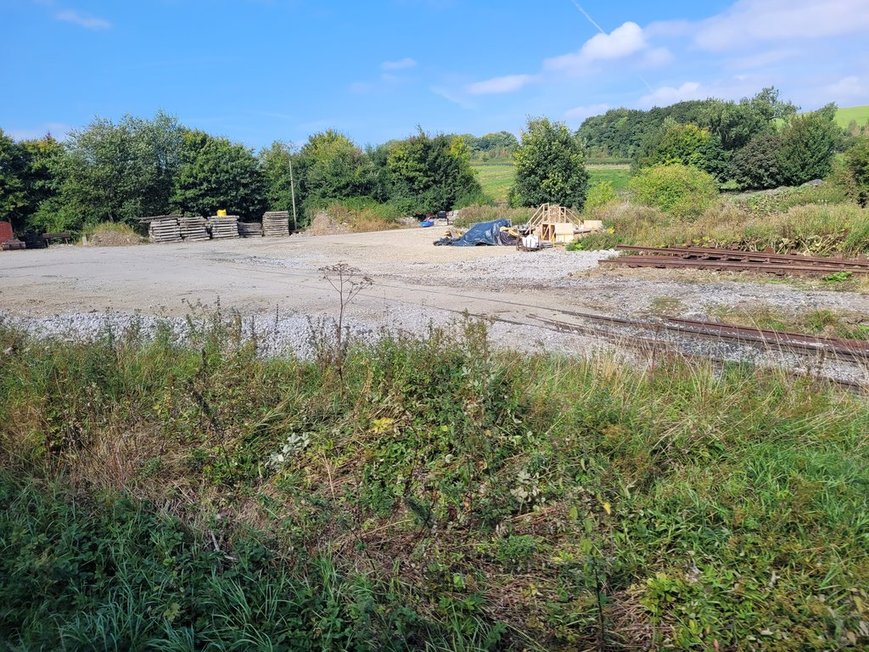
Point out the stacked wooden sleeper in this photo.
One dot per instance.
(193, 228)
(164, 228)
(250, 229)
(223, 226)
(276, 224)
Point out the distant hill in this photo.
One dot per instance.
(858, 113)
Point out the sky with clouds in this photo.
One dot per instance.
(260, 70)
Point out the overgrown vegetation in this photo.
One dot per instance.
(677, 189)
(435, 495)
(814, 229)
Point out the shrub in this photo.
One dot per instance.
(361, 214)
(600, 194)
(756, 166)
(687, 144)
(807, 147)
(857, 165)
(679, 189)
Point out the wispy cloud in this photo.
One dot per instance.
(398, 64)
(505, 84)
(747, 22)
(82, 20)
(449, 96)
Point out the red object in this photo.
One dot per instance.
(5, 231)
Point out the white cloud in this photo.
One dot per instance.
(76, 18)
(749, 21)
(580, 113)
(666, 95)
(398, 64)
(505, 84)
(624, 41)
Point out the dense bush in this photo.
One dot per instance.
(682, 190)
(687, 144)
(550, 166)
(600, 194)
(215, 173)
(425, 174)
(857, 166)
(807, 146)
(758, 165)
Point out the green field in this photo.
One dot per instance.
(497, 177)
(860, 114)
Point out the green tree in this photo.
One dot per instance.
(116, 172)
(757, 166)
(276, 163)
(13, 190)
(807, 146)
(857, 165)
(216, 173)
(331, 166)
(687, 144)
(45, 158)
(550, 166)
(424, 174)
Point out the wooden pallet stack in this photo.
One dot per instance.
(164, 228)
(193, 228)
(250, 229)
(276, 224)
(223, 226)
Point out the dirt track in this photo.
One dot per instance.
(415, 283)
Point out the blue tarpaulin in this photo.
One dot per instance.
(484, 233)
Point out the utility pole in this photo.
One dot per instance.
(292, 190)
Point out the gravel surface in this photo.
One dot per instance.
(76, 290)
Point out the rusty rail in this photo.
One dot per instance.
(733, 260)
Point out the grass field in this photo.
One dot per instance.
(858, 113)
(496, 177)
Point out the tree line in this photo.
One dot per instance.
(756, 143)
(118, 171)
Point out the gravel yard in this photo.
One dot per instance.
(68, 290)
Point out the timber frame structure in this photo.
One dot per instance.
(548, 215)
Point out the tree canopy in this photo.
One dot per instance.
(550, 166)
(215, 173)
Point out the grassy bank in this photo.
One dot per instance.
(428, 494)
(814, 229)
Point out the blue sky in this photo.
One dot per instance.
(260, 70)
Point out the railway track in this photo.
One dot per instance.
(731, 260)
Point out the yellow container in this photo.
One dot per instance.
(221, 212)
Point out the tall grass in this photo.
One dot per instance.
(434, 495)
(818, 229)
